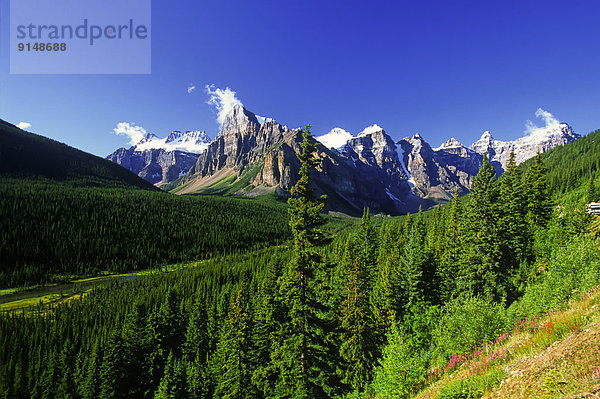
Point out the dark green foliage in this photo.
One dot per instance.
(515, 235)
(480, 272)
(26, 155)
(301, 358)
(365, 315)
(48, 231)
(233, 371)
(539, 201)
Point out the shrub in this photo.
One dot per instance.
(402, 369)
(571, 268)
(466, 323)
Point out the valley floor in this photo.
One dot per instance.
(43, 297)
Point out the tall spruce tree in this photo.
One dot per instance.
(592, 193)
(358, 346)
(233, 351)
(301, 358)
(513, 226)
(172, 384)
(367, 243)
(449, 262)
(539, 202)
(480, 271)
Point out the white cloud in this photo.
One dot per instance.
(223, 100)
(134, 132)
(191, 87)
(550, 122)
(23, 125)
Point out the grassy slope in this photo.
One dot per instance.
(26, 155)
(552, 356)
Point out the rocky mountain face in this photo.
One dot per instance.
(526, 147)
(155, 165)
(255, 155)
(164, 160)
(366, 172)
(438, 173)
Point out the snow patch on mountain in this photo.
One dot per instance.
(336, 138)
(263, 119)
(392, 196)
(194, 141)
(400, 152)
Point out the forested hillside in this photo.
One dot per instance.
(51, 232)
(572, 165)
(378, 313)
(25, 155)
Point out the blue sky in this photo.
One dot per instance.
(439, 68)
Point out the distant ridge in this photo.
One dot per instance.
(25, 155)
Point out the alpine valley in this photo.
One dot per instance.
(252, 156)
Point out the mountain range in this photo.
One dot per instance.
(253, 156)
(163, 160)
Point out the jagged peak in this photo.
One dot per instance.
(486, 136)
(148, 137)
(451, 143)
(370, 130)
(238, 119)
(174, 135)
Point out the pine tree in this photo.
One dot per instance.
(452, 237)
(383, 298)
(91, 386)
(264, 334)
(233, 348)
(300, 359)
(66, 388)
(358, 343)
(114, 371)
(367, 242)
(196, 338)
(592, 193)
(136, 347)
(539, 203)
(172, 385)
(198, 380)
(480, 271)
(513, 225)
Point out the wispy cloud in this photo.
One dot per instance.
(134, 132)
(223, 100)
(549, 120)
(191, 87)
(23, 125)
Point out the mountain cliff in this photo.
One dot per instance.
(164, 160)
(253, 155)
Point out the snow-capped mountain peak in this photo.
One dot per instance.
(173, 136)
(451, 143)
(370, 130)
(336, 138)
(147, 138)
(539, 139)
(194, 141)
